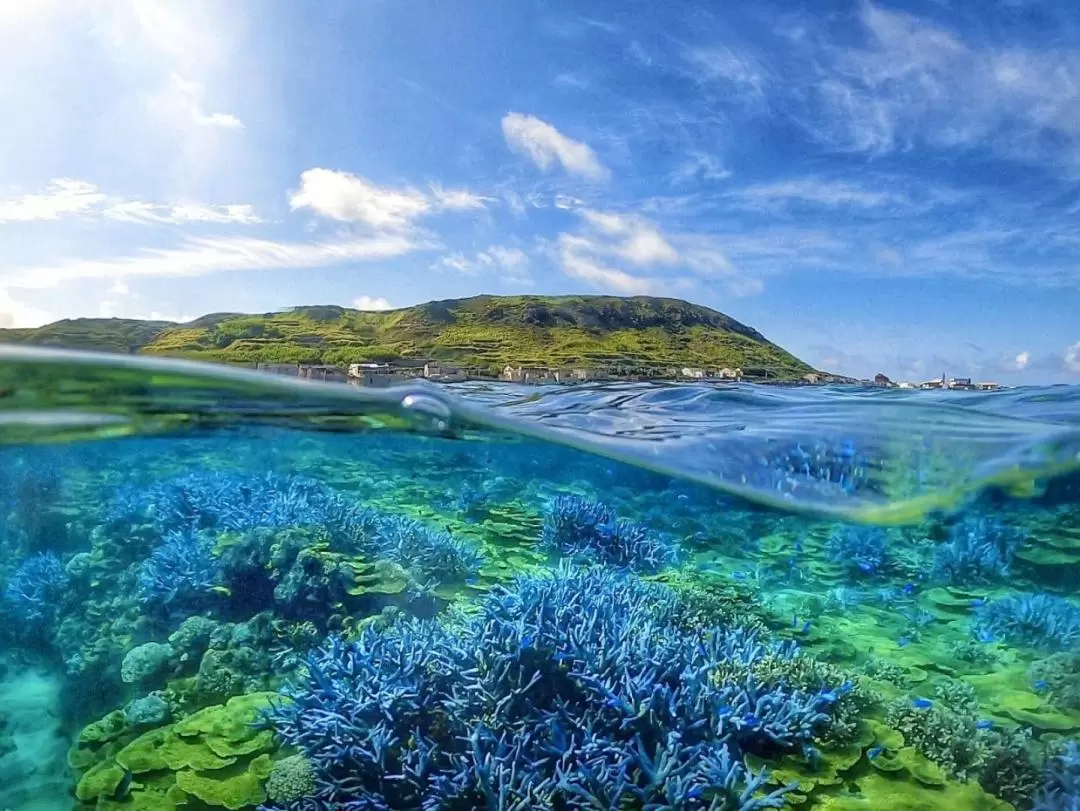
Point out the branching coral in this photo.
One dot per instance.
(1040, 621)
(598, 702)
(36, 589)
(950, 739)
(180, 572)
(435, 556)
(861, 550)
(231, 502)
(980, 549)
(593, 532)
(1061, 790)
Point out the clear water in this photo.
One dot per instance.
(230, 590)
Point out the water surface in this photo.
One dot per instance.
(225, 589)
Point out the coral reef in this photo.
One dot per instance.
(861, 550)
(591, 531)
(568, 688)
(1061, 789)
(35, 592)
(1041, 621)
(980, 549)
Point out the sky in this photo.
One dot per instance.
(878, 187)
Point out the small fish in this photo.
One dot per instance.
(806, 627)
(1041, 685)
(903, 642)
(909, 588)
(922, 703)
(984, 724)
(978, 602)
(222, 590)
(751, 720)
(682, 497)
(866, 567)
(739, 575)
(874, 752)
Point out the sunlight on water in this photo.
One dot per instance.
(228, 590)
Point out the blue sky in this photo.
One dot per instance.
(877, 187)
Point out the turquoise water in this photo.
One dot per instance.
(229, 590)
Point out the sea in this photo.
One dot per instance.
(226, 589)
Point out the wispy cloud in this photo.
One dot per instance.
(63, 197)
(914, 81)
(510, 264)
(140, 212)
(821, 192)
(458, 199)
(199, 257)
(546, 146)
(733, 66)
(187, 96)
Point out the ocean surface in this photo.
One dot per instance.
(224, 589)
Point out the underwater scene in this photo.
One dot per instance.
(227, 590)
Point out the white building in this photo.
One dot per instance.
(375, 375)
(693, 374)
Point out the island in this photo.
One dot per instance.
(517, 338)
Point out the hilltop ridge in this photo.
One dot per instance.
(482, 332)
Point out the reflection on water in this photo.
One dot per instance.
(221, 591)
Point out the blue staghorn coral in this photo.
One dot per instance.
(569, 690)
(1040, 621)
(179, 573)
(980, 549)
(220, 502)
(434, 555)
(1061, 791)
(36, 589)
(233, 502)
(862, 550)
(591, 530)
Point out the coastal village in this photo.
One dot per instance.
(379, 375)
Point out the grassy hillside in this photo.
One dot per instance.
(485, 332)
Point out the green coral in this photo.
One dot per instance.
(290, 779)
(216, 755)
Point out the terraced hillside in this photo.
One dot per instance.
(483, 332)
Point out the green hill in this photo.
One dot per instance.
(484, 332)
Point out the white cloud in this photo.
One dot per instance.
(545, 146)
(138, 211)
(458, 199)
(18, 314)
(457, 262)
(201, 256)
(1022, 360)
(638, 241)
(347, 198)
(63, 197)
(1072, 358)
(371, 303)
